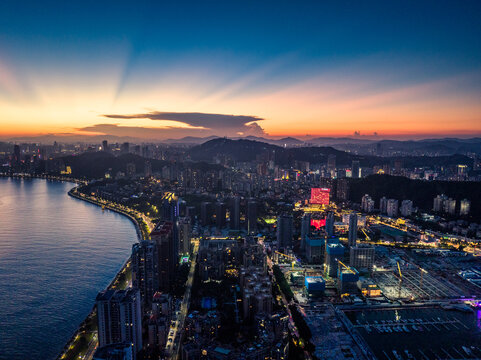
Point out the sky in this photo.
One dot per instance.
(158, 70)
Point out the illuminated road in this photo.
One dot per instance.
(172, 349)
(91, 349)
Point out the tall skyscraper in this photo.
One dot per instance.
(206, 213)
(352, 237)
(367, 204)
(120, 318)
(406, 208)
(330, 224)
(16, 154)
(125, 148)
(355, 169)
(185, 234)
(305, 229)
(235, 213)
(464, 207)
(251, 216)
(145, 272)
(383, 205)
(392, 207)
(331, 164)
(163, 235)
(285, 228)
(220, 214)
(105, 145)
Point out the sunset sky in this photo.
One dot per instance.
(280, 68)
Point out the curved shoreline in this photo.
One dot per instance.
(73, 193)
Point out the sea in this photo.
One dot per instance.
(56, 254)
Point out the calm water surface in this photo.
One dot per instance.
(56, 253)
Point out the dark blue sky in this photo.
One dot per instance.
(394, 43)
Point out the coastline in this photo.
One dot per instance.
(124, 268)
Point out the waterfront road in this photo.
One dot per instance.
(172, 348)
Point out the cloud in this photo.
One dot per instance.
(205, 120)
(187, 123)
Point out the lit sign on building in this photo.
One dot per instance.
(318, 223)
(320, 196)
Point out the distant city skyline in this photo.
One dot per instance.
(275, 69)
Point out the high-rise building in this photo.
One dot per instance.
(361, 257)
(206, 213)
(145, 272)
(450, 206)
(235, 213)
(392, 207)
(16, 154)
(352, 236)
(465, 207)
(120, 318)
(220, 215)
(406, 208)
(125, 148)
(438, 204)
(251, 216)
(367, 204)
(163, 235)
(147, 169)
(330, 224)
(185, 234)
(334, 254)
(383, 205)
(331, 164)
(105, 145)
(320, 196)
(285, 228)
(355, 169)
(343, 189)
(305, 229)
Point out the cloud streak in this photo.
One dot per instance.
(206, 120)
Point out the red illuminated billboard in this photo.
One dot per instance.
(318, 223)
(320, 196)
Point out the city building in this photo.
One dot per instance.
(406, 208)
(320, 196)
(120, 351)
(383, 205)
(185, 234)
(464, 207)
(234, 216)
(206, 213)
(285, 229)
(352, 236)
(163, 236)
(331, 164)
(450, 206)
(251, 216)
(305, 229)
(392, 208)
(330, 224)
(361, 257)
(367, 204)
(315, 250)
(356, 170)
(334, 253)
(438, 204)
(145, 272)
(120, 318)
(220, 215)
